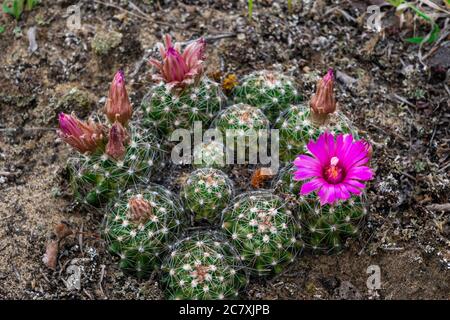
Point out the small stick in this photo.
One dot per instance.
(7, 174)
(80, 238)
(27, 129)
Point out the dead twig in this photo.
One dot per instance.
(102, 274)
(7, 174)
(27, 129)
(395, 97)
(140, 15)
(80, 237)
(445, 207)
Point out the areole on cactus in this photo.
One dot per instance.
(206, 193)
(269, 91)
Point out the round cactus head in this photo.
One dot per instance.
(270, 91)
(330, 179)
(166, 110)
(96, 178)
(203, 266)
(206, 193)
(209, 154)
(325, 227)
(141, 224)
(241, 117)
(296, 129)
(263, 230)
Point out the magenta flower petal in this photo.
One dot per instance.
(83, 136)
(318, 149)
(327, 194)
(360, 173)
(352, 189)
(344, 192)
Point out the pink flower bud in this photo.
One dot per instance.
(118, 139)
(178, 69)
(323, 102)
(118, 106)
(83, 136)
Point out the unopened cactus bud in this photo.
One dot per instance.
(118, 106)
(140, 210)
(323, 102)
(118, 138)
(177, 69)
(86, 137)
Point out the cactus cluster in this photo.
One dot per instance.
(271, 91)
(140, 225)
(263, 230)
(324, 227)
(203, 266)
(167, 109)
(319, 202)
(96, 178)
(206, 193)
(296, 128)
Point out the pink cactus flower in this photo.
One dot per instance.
(86, 137)
(323, 102)
(118, 106)
(118, 139)
(178, 69)
(335, 169)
